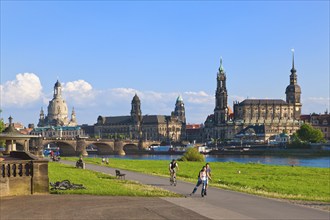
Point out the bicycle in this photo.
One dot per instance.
(173, 178)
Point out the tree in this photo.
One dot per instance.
(309, 134)
(192, 154)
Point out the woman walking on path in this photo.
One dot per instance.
(208, 174)
(202, 177)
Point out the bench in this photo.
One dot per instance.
(120, 175)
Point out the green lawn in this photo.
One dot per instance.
(300, 183)
(100, 184)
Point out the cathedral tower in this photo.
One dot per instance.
(136, 113)
(293, 92)
(221, 97)
(136, 116)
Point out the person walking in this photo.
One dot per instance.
(173, 168)
(201, 180)
(208, 177)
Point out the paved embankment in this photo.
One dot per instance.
(222, 204)
(67, 207)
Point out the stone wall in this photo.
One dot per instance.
(19, 176)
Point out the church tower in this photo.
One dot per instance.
(73, 121)
(136, 113)
(179, 110)
(41, 118)
(221, 97)
(293, 92)
(136, 116)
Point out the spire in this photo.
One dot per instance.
(221, 67)
(293, 70)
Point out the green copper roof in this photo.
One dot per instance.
(221, 69)
(179, 99)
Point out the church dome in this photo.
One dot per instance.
(293, 88)
(58, 110)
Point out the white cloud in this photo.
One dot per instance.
(25, 90)
(200, 97)
(79, 93)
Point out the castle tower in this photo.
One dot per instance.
(179, 110)
(293, 92)
(221, 97)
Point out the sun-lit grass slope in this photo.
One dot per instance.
(101, 184)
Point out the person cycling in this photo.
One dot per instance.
(172, 168)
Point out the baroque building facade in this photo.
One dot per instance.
(57, 111)
(163, 128)
(253, 119)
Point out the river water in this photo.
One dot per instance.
(323, 162)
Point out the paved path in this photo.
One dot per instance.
(222, 204)
(81, 207)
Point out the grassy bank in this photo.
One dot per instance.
(299, 183)
(100, 184)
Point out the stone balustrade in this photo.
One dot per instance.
(16, 169)
(23, 176)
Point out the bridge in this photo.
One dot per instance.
(78, 146)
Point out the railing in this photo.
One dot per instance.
(16, 169)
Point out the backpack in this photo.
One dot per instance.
(173, 165)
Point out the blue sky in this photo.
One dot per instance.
(103, 52)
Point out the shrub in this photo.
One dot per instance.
(192, 154)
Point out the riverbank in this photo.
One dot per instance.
(272, 152)
(264, 151)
